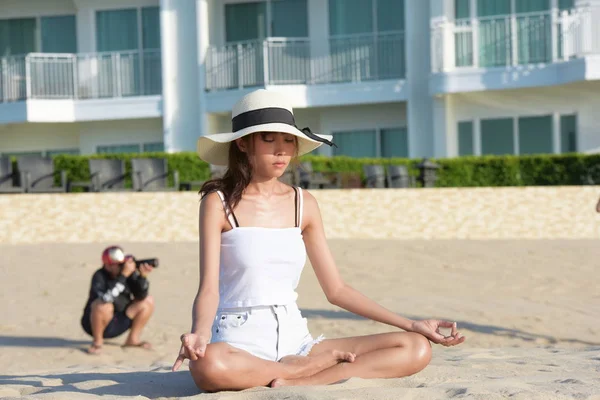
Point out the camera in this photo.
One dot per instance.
(153, 262)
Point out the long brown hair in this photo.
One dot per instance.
(238, 174)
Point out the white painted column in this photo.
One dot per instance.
(179, 74)
(418, 67)
(202, 27)
(86, 31)
(85, 21)
(318, 31)
(445, 136)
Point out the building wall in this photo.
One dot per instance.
(101, 133)
(84, 136)
(35, 8)
(582, 99)
(38, 137)
(401, 214)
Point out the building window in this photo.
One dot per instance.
(153, 147)
(535, 135)
(20, 36)
(465, 138)
(128, 29)
(348, 17)
(394, 142)
(120, 148)
(59, 34)
(22, 153)
(568, 133)
(271, 18)
(71, 152)
(367, 39)
(497, 136)
(371, 143)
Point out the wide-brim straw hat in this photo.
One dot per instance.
(259, 111)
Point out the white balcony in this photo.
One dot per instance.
(127, 84)
(329, 73)
(517, 50)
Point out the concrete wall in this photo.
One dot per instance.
(481, 213)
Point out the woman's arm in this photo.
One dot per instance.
(346, 297)
(337, 291)
(211, 224)
(212, 221)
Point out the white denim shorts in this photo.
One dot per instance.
(268, 332)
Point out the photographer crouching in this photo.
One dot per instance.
(118, 300)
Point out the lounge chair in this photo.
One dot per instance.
(152, 174)
(39, 174)
(374, 176)
(7, 177)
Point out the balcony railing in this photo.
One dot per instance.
(80, 76)
(276, 61)
(516, 39)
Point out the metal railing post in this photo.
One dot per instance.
(75, 76)
(265, 51)
(239, 65)
(27, 78)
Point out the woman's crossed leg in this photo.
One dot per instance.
(224, 367)
(385, 355)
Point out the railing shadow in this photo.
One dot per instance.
(473, 327)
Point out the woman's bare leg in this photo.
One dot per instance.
(321, 360)
(224, 367)
(387, 355)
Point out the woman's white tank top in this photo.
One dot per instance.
(260, 266)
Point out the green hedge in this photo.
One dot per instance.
(565, 169)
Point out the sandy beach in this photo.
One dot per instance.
(530, 310)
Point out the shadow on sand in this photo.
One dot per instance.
(463, 325)
(151, 384)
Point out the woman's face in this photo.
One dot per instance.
(270, 153)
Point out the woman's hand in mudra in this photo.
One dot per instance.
(430, 328)
(192, 347)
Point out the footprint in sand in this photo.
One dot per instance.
(456, 392)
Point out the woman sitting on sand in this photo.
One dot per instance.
(255, 233)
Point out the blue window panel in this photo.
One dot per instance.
(355, 143)
(394, 142)
(17, 36)
(465, 138)
(535, 135)
(347, 17)
(119, 148)
(568, 133)
(154, 147)
(59, 34)
(497, 136)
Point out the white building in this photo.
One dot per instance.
(385, 77)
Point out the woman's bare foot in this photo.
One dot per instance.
(95, 348)
(304, 366)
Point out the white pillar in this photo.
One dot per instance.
(86, 30)
(179, 74)
(318, 30)
(445, 135)
(202, 26)
(418, 67)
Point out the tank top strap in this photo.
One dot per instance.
(228, 211)
(300, 207)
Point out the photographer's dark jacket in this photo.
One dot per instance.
(120, 291)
